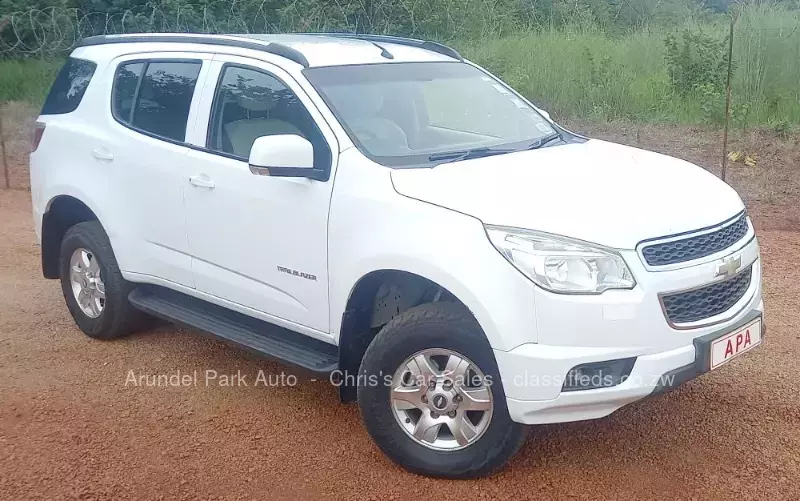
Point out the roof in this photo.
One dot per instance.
(307, 49)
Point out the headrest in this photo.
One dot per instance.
(358, 101)
(262, 101)
(370, 101)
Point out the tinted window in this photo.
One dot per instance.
(155, 96)
(125, 84)
(69, 87)
(250, 104)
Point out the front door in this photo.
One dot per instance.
(258, 241)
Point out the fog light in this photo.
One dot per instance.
(598, 374)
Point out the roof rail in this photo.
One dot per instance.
(272, 47)
(411, 42)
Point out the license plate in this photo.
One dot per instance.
(732, 345)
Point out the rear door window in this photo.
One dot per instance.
(69, 86)
(155, 96)
(125, 83)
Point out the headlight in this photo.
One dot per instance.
(560, 264)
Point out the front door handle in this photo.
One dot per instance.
(202, 182)
(102, 154)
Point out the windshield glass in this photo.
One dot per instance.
(415, 114)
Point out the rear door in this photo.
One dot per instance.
(151, 101)
(259, 242)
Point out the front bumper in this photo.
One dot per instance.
(651, 374)
(576, 330)
(702, 348)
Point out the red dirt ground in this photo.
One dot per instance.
(71, 429)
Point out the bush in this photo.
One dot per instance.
(597, 59)
(696, 62)
(712, 103)
(781, 127)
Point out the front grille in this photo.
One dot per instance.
(705, 302)
(696, 247)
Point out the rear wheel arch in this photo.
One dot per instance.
(374, 300)
(63, 212)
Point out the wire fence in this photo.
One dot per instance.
(606, 86)
(55, 30)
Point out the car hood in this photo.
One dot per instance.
(596, 191)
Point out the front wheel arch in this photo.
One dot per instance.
(357, 329)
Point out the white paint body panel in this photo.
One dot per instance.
(591, 191)
(394, 232)
(225, 244)
(247, 225)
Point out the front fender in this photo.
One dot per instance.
(383, 230)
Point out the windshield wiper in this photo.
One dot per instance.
(544, 140)
(455, 156)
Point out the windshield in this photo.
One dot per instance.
(416, 114)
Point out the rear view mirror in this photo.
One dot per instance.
(283, 155)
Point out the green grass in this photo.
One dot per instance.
(582, 71)
(27, 80)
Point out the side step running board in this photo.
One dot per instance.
(250, 333)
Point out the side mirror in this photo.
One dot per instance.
(545, 114)
(283, 155)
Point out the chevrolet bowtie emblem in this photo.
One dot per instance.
(729, 266)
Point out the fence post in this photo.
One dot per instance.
(3, 23)
(3, 149)
(728, 98)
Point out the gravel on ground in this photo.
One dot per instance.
(74, 426)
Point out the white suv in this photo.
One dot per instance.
(382, 212)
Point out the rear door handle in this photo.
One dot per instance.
(102, 154)
(202, 182)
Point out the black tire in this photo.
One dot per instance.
(118, 317)
(435, 325)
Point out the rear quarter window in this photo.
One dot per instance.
(70, 85)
